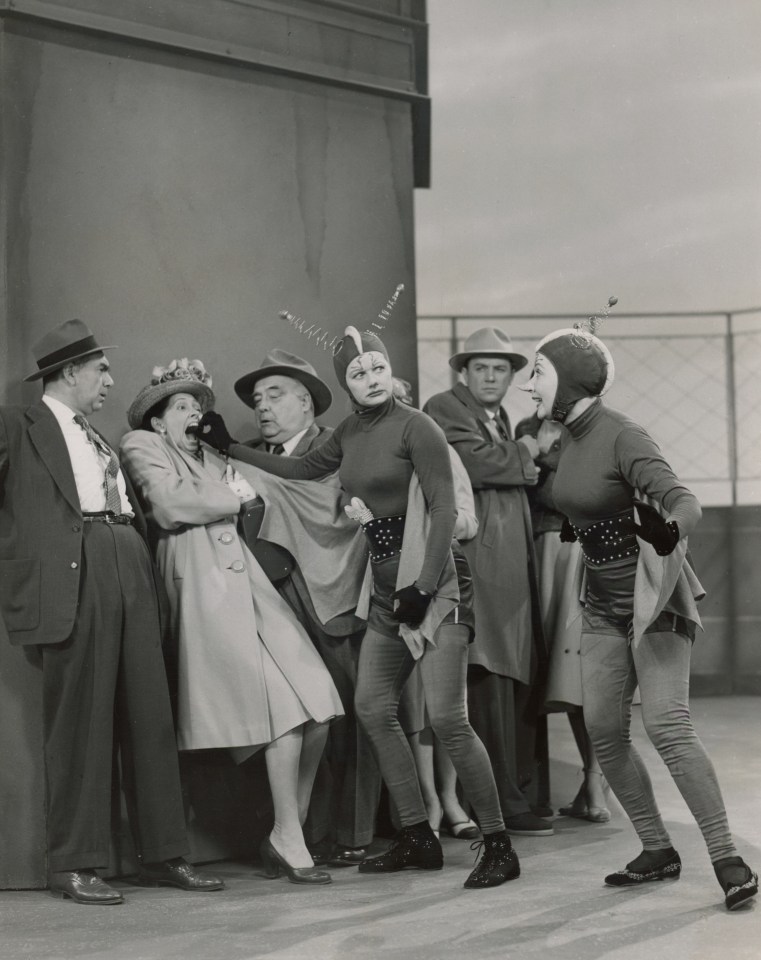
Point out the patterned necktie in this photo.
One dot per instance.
(278, 450)
(113, 497)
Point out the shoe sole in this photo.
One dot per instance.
(144, 882)
(87, 902)
(411, 866)
(529, 833)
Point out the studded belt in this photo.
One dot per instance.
(384, 535)
(608, 540)
(106, 516)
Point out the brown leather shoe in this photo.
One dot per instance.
(178, 873)
(84, 886)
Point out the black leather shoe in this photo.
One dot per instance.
(668, 869)
(737, 880)
(84, 886)
(273, 862)
(178, 873)
(498, 864)
(346, 856)
(414, 846)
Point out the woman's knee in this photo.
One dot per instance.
(373, 711)
(451, 729)
(666, 724)
(603, 726)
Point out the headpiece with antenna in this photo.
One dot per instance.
(584, 329)
(322, 338)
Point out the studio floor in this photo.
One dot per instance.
(559, 909)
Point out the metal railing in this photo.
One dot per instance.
(693, 380)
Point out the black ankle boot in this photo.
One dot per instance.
(667, 867)
(737, 880)
(498, 863)
(414, 846)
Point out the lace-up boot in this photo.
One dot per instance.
(414, 846)
(498, 863)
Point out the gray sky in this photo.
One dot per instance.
(589, 147)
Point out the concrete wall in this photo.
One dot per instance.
(174, 172)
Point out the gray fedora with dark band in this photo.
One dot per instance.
(70, 340)
(488, 342)
(283, 364)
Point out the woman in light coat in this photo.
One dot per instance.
(249, 677)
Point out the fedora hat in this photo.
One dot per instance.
(179, 376)
(283, 364)
(70, 340)
(488, 342)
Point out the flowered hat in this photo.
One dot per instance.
(179, 376)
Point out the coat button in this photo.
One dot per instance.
(238, 566)
(75, 527)
(74, 565)
(226, 537)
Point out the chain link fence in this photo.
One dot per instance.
(692, 380)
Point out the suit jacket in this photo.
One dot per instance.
(41, 527)
(501, 553)
(315, 435)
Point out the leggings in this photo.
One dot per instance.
(385, 663)
(611, 669)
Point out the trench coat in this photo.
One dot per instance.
(224, 609)
(508, 640)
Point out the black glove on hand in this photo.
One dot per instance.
(212, 430)
(567, 533)
(663, 534)
(412, 606)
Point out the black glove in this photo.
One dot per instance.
(662, 534)
(212, 430)
(412, 605)
(567, 533)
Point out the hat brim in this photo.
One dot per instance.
(319, 391)
(59, 365)
(517, 360)
(154, 393)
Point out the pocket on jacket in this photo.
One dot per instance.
(20, 594)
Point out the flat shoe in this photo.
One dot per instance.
(462, 830)
(346, 856)
(83, 886)
(737, 880)
(670, 869)
(178, 873)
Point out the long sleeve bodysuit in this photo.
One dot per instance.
(375, 452)
(605, 458)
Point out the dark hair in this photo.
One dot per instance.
(157, 410)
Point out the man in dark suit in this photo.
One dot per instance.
(286, 395)
(77, 589)
(509, 646)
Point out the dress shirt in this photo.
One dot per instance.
(88, 464)
(290, 445)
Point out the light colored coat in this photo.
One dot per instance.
(226, 615)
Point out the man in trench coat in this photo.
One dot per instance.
(508, 646)
(77, 590)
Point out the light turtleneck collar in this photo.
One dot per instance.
(581, 426)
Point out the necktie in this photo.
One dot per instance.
(113, 497)
(278, 450)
